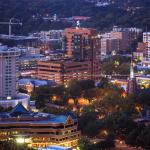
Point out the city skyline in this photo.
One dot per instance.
(74, 75)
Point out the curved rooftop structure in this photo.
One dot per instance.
(39, 129)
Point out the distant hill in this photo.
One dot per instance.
(118, 12)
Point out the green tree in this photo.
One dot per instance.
(143, 98)
(85, 119)
(143, 139)
(84, 144)
(74, 89)
(93, 128)
(139, 137)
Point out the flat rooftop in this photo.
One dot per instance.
(13, 37)
(55, 148)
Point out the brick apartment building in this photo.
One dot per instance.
(81, 61)
(81, 43)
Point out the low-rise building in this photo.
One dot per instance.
(39, 129)
(62, 71)
(28, 64)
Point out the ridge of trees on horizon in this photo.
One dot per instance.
(121, 12)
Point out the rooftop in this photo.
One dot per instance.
(20, 115)
(32, 57)
(3, 36)
(55, 148)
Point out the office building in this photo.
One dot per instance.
(118, 40)
(110, 45)
(39, 129)
(124, 37)
(28, 65)
(62, 71)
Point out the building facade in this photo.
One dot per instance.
(39, 129)
(9, 97)
(109, 45)
(8, 72)
(81, 43)
(146, 39)
(65, 70)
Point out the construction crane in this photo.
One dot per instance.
(10, 23)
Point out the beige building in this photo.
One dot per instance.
(109, 45)
(39, 129)
(65, 70)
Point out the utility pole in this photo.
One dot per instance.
(10, 23)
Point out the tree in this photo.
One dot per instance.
(143, 139)
(143, 98)
(124, 69)
(106, 144)
(86, 119)
(108, 68)
(139, 137)
(86, 84)
(93, 128)
(103, 83)
(74, 89)
(112, 101)
(44, 94)
(147, 72)
(119, 124)
(12, 145)
(84, 144)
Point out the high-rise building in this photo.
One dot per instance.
(146, 39)
(81, 43)
(8, 78)
(8, 72)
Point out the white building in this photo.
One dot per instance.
(8, 71)
(8, 78)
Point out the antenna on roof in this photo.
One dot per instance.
(78, 24)
(131, 68)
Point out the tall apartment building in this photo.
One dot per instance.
(146, 39)
(8, 72)
(9, 97)
(62, 71)
(81, 43)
